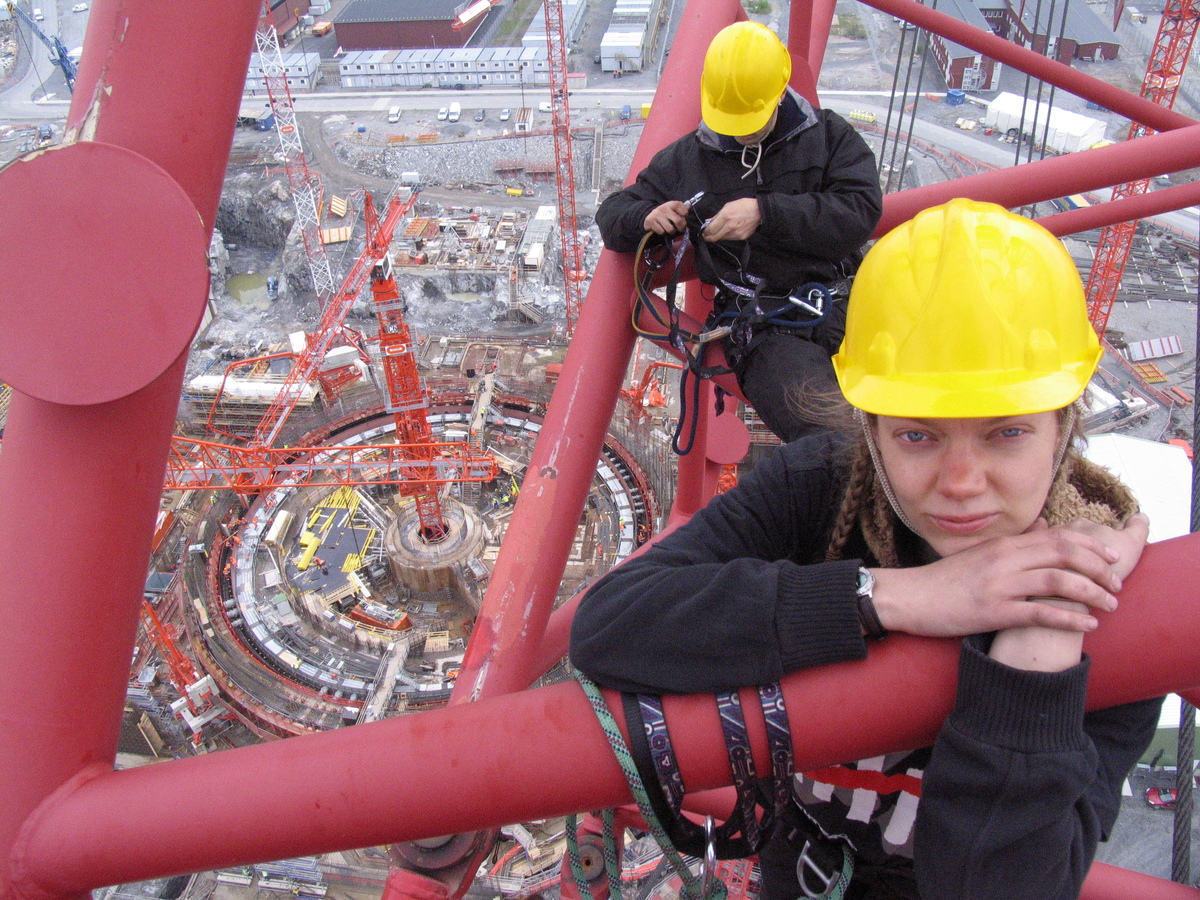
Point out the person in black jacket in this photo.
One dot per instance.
(961, 508)
(783, 198)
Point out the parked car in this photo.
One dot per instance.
(79, 7)
(544, 106)
(505, 114)
(479, 115)
(37, 14)
(442, 113)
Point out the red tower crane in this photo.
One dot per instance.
(572, 253)
(183, 673)
(1164, 72)
(407, 400)
(379, 236)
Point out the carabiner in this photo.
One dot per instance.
(710, 860)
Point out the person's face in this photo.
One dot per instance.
(961, 482)
(749, 140)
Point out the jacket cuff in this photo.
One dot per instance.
(1031, 712)
(816, 615)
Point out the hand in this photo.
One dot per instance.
(987, 587)
(1043, 649)
(1129, 540)
(668, 218)
(737, 220)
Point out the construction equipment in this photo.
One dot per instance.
(1164, 73)
(59, 55)
(568, 230)
(379, 236)
(471, 13)
(304, 186)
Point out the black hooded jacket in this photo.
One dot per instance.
(817, 187)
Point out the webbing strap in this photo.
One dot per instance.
(691, 887)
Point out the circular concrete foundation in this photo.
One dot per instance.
(429, 567)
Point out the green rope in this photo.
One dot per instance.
(838, 891)
(612, 867)
(692, 887)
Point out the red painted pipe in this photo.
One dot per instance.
(808, 30)
(1105, 882)
(1059, 176)
(1107, 95)
(84, 455)
(453, 770)
(525, 580)
(1136, 206)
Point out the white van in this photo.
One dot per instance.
(37, 14)
(394, 114)
(455, 111)
(544, 106)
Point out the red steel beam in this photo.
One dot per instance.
(529, 568)
(452, 770)
(147, 141)
(1168, 151)
(1107, 95)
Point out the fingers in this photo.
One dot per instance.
(667, 218)
(736, 221)
(1060, 615)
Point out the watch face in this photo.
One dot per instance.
(866, 582)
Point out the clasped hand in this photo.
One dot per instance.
(987, 587)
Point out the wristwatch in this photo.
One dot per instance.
(867, 616)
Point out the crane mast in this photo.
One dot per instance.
(1164, 72)
(302, 183)
(572, 254)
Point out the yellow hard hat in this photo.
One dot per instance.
(746, 71)
(966, 310)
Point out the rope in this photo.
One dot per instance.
(1181, 845)
(692, 888)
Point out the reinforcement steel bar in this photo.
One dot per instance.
(452, 770)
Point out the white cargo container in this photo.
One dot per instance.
(1068, 131)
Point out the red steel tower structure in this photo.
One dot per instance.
(70, 476)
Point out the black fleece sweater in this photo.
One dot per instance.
(1021, 783)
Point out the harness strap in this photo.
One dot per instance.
(691, 885)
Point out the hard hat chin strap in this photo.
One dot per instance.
(880, 471)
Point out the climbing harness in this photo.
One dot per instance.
(649, 765)
(692, 886)
(749, 316)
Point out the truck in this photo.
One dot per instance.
(455, 112)
(1026, 120)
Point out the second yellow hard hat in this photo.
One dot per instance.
(746, 71)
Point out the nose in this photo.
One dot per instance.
(962, 473)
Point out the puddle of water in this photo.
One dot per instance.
(249, 290)
(467, 298)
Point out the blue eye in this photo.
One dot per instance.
(914, 437)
